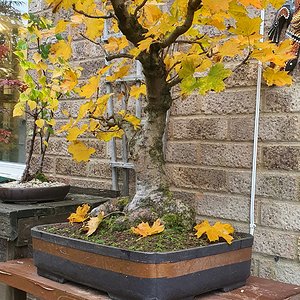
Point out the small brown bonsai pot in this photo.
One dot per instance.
(33, 194)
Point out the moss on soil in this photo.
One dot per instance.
(169, 240)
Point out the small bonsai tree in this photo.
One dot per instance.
(183, 46)
(40, 92)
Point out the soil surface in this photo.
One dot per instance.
(168, 240)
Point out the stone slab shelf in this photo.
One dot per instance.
(16, 220)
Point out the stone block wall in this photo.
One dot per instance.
(209, 159)
(209, 155)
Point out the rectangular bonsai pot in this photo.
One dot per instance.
(133, 275)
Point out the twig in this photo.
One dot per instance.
(139, 7)
(109, 16)
(90, 40)
(193, 6)
(120, 55)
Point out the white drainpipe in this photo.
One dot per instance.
(255, 136)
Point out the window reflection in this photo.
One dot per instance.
(12, 130)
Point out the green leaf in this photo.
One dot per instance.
(26, 65)
(45, 50)
(20, 54)
(187, 68)
(188, 84)
(22, 45)
(214, 81)
(59, 37)
(28, 80)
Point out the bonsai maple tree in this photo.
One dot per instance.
(185, 45)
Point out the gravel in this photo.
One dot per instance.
(30, 184)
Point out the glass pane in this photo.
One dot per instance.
(12, 130)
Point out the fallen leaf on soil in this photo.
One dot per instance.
(144, 229)
(215, 232)
(93, 223)
(80, 215)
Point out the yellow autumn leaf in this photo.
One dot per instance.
(61, 26)
(80, 215)
(70, 81)
(277, 77)
(104, 70)
(93, 223)
(37, 57)
(90, 88)
(51, 122)
(275, 3)
(144, 229)
(230, 48)
(93, 125)
(133, 120)
(32, 104)
(151, 14)
(145, 44)
(67, 126)
(283, 52)
(246, 26)
(114, 132)
(216, 6)
(119, 73)
(18, 110)
(112, 45)
(94, 28)
(101, 105)
(136, 91)
(215, 232)
(83, 110)
(61, 49)
(58, 4)
(77, 19)
(80, 151)
(45, 143)
(116, 44)
(254, 3)
(40, 123)
(74, 132)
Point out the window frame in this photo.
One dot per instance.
(11, 170)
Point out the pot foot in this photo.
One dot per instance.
(234, 286)
(51, 276)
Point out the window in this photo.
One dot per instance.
(12, 130)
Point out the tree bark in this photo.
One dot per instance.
(151, 179)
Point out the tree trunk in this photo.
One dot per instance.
(26, 174)
(153, 198)
(151, 179)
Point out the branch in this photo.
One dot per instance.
(139, 7)
(193, 6)
(90, 40)
(243, 62)
(128, 23)
(120, 55)
(174, 82)
(193, 42)
(109, 16)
